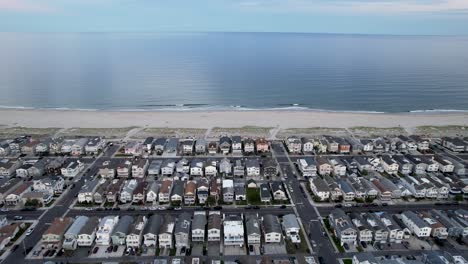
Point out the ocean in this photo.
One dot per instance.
(233, 71)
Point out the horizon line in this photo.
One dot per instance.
(235, 32)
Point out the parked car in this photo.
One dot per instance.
(18, 217)
(95, 250)
(29, 231)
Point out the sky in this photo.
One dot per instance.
(407, 17)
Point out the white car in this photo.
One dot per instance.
(162, 208)
(4, 210)
(29, 231)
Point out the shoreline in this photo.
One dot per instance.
(41, 118)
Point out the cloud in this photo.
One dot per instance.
(359, 6)
(23, 6)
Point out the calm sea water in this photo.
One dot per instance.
(233, 71)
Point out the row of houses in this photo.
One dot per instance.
(251, 167)
(38, 167)
(191, 146)
(382, 227)
(14, 191)
(376, 186)
(169, 231)
(344, 145)
(175, 191)
(45, 146)
(391, 164)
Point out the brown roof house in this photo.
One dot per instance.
(190, 192)
(53, 236)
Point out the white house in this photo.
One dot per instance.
(233, 226)
(72, 168)
(416, 224)
(104, 231)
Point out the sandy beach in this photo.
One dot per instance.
(278, 119)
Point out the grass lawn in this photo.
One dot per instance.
(84, 204)
(347, 261)
(337, 244)
(253, 196)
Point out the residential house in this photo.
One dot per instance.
(291, 228)
(126, 194)
(252, 226)
(236, 145)
(139, 168)
(182, 230)
(198, 226)
(151, 230)
(166, 232)
(319, 188)
(200, 146)
(389, 165)
(455, 144)
(225, 144)
(52, 185)
(332, 144)
(72, 168)
(378, 228)
(54, 166)
(404, 165)
(225, 167)
(343, 227)
(124, 168)
(134, 148)
(265, 193)
(308, 167)
(154, 168)
(168, 167)
(262, 145)
(233, 226)
(307, 145)
(293, 144)
(365, 232)
(139, 193)
(239, 192)
(148, 144)
(86, 193)
(78, 147)
(270, 167)
(87, 233)
(105, 229)
(249, 146)
(122, 228)
(367, 145)
(419, 164)
(70, 241)
(272, 229)
(416, 224)
(212, 147)
(215, 190)
(228, 191)
(188, 146)
(94, 146)
(348, 192)
(177, 192)
(279, 193)
(203, 190)
(22, 171)
(214, 227)
(395, 232)
(324, 166)
(445, 165)
(107, 169)
(438, 230)
(135, 235)
(113, 190)
(52, 238)
(99, 195)
(252, 167)
(37, 169)
(190, 192)
(183, 166)
(14, 196)
(339, 168)
(152, 193)
(159, 145)
(239, 168)
(211, 168)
